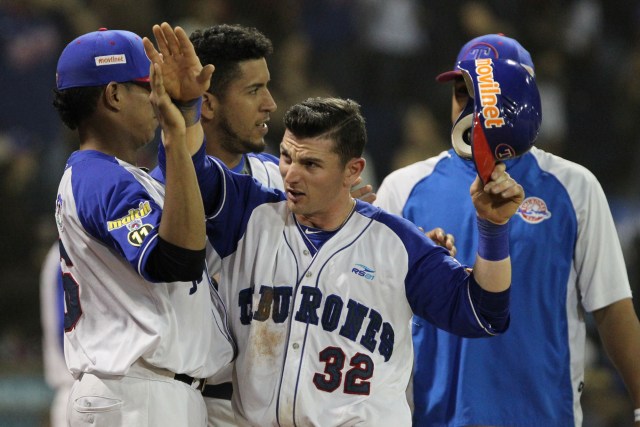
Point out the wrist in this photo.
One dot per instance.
(190, 110)
(493, 240)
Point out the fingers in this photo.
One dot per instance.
(443, 239)
(364, 193)
(171, 44)
(185, 45)
(359, 192)
(167, 39)
(160, 40)
(157, 89)
(156, 78)
(501, 183)
(150, 50)
(369, 197)
(204, 78)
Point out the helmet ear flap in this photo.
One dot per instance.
(461, 131)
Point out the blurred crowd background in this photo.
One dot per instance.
(382, 53)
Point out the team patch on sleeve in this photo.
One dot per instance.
(133, 221)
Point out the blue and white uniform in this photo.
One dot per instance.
(264, 168)
(324, 332)
(56, 373)
(566, 259)
(117, 322)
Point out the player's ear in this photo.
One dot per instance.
(112, 95)
(353, 169)
(209, 106)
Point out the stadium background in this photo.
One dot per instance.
(382, 53)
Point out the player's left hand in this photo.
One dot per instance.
(499, 199)
(185, 78)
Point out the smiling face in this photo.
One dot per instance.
(237, 122)
(317, 183)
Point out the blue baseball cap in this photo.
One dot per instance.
(494, 46)
(100, 57)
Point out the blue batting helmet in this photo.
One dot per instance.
(504, 111)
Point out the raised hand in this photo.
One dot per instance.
(168, 115)
(185, 78)
(499, 199)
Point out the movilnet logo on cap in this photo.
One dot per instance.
(111, 59)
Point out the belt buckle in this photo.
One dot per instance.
(202, 384)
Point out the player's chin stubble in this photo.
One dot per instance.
(234, 143)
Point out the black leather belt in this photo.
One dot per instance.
(218, 391)
(202, 382)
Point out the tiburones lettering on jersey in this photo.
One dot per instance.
(275, 302)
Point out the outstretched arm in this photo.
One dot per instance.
(495, 203)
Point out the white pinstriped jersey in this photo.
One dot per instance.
(325, 339)
(108, 213)
(565, 258)
(264, 168)
(56, 373)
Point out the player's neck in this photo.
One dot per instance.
(328, 221)
(127, 154)
(231, 160)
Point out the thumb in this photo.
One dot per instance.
(205, 75)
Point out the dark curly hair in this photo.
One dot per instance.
(332, 118)
(76, 104)
(225, 46)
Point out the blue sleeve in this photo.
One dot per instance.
(116, 209)
(201, 164)
(231, 199)
(444, 292)
(157, 174)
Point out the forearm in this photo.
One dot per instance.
(492, 269)
(619, 330)
(493, 276)
(182, 221)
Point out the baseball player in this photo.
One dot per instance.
(143, 328)
(56, 374)
(235, 114)
(321, 287)
(568, 260)
(236, 111)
